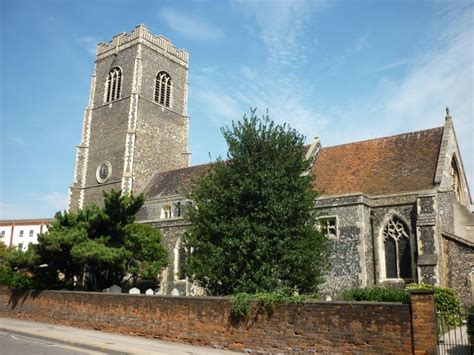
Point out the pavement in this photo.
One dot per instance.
(28, 337)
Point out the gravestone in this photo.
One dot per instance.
(175, 292)
(115, 289)
(149, 292)
(134, 291)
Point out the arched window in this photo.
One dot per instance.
(456, 181)
(114, 85)
(397, 249)
(163, 89)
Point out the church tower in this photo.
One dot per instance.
(136, 121)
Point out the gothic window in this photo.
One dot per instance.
(114, 85)
(166, 212)
(181, 263)
(398, 258)
(328, 226)
(456, 181)
(163, 89)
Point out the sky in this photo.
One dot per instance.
(341, 70)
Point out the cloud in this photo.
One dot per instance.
(389, 66)
(360, 43)
(191, 27)
(275, 84)
(34, 206)
(442, 75)
(223, 107)
(54, 200)
(90, 44)
(17, 141)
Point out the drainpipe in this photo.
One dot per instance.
(372, 217)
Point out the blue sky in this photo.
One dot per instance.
(340, 70)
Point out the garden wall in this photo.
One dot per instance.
(309, 326)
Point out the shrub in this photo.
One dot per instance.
(446, 301)
(265, 302)
(376, 294)
(15, 279)
(470, 325)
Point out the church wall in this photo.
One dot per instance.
(161, 142)
(152, 65)
(345, 268)
(460, 267)
(125, 60)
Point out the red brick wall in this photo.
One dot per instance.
(313, 326)
(423, 322)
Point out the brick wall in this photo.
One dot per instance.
(311, 326)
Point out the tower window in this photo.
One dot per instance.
(163, 89)
(328, 226)
(114, 85)
(456, 181)
(398, 258)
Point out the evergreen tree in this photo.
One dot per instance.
(96, 247)
(253, 223)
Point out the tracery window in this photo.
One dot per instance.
(163, 89)
(166, 212)
(114, 85)
(398, 258)
(456, 181)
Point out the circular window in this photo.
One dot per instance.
(104, 170)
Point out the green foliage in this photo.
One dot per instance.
(13, 279)
(253, 225)
(95, 247)
(446, 301)
(377, 294)
(470, 325)
(264, 302)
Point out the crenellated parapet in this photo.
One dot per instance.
(141, 34)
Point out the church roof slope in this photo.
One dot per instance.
(389, 165)
(173, 182)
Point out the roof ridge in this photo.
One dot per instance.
(384, 138)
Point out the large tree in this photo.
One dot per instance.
(253, 223)
(97, 247)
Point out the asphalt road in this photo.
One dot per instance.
(16, 344)
(25, 337)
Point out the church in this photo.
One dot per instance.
(396, 209)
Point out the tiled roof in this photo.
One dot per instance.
(401, 163)
(173, 182)
(389, 165)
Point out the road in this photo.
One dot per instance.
(34, 338)
(16, 344)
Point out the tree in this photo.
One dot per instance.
(253, 223)
(98, 247)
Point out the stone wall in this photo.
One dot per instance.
(460, 265)
(306, 327)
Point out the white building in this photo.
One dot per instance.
(22, 232)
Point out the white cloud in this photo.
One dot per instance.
(55, 201)
(89, 43)
(17, 141)
(190, 26)
(441, 76)
(35, 205)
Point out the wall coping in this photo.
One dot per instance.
(206, 298)
(421, 292)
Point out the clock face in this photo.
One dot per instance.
(103, 172)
